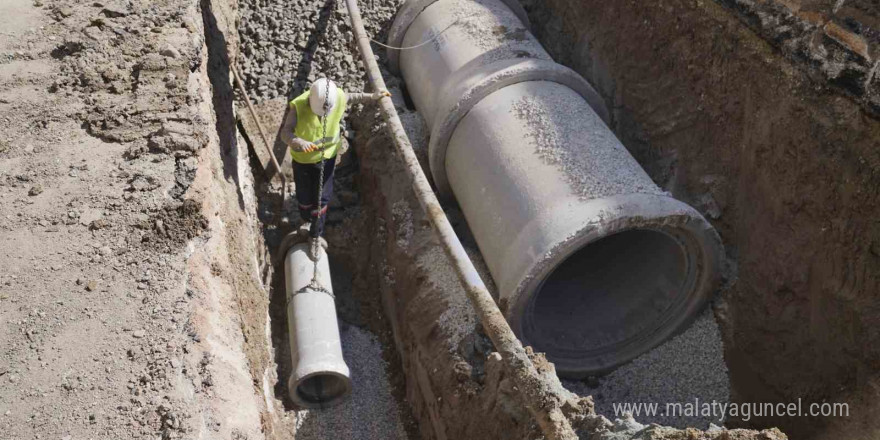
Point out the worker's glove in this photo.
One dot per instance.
(302, 146)
(379, 95)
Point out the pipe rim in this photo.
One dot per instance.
(700, 245)
(464, 92)
(294, 391)
(411, 10)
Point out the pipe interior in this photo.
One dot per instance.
(321, 388)
(607, 293)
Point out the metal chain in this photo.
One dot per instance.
(316, 240)
(313, 286)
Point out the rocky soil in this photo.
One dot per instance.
(287, 45)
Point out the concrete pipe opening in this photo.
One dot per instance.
(610, 300)
(594, 263)
(321, 390)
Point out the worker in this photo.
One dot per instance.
(303, 133)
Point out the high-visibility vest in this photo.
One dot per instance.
(309, 127)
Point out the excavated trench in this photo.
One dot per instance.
(421, 365)
(376, 408)
(372, 226)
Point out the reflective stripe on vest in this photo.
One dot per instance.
(309, 127)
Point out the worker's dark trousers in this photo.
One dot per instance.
(306, 177)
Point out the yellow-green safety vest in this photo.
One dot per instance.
(309, 127)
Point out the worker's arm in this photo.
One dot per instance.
(289, 137)
(358, 98)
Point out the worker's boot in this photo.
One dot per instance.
(305, 231)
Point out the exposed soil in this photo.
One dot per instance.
(783, 165)
(115, 316)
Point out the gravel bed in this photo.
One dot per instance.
(371, 411)
(687, 367)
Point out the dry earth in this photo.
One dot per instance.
(106, 257)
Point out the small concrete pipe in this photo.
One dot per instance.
(320, 377)
(594, 263)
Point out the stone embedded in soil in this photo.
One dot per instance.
(301, 50)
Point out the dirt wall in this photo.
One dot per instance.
(117, 155)
(780, 157)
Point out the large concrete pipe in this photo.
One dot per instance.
(594, 263)
(320, 378)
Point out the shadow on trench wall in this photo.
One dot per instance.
(785, 166)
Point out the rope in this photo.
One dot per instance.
(430, 40)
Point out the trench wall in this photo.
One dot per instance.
(763, 115)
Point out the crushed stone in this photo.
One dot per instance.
(287, 45)
(403, 218)
(371, 411)
(688, 367)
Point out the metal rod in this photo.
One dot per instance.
(280, 214)
(543, 401)
(262, 131)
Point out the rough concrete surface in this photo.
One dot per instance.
(594, 162)
(784, 166)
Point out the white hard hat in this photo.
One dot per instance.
(318, 95)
